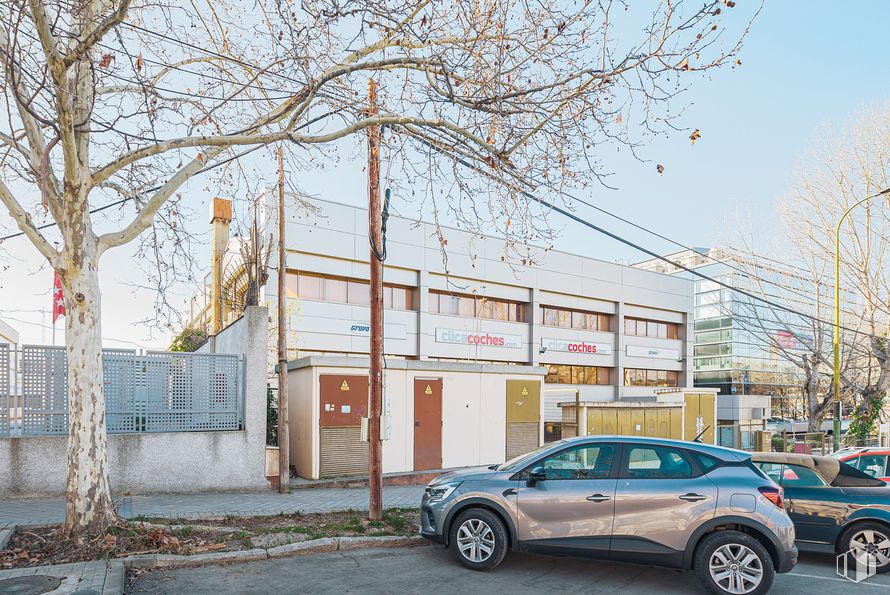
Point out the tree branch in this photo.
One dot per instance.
(91, 38)
(23, 220)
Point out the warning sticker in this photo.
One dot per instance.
(344, 386)
(524, 391)
(428, 390)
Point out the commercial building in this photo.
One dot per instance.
(477, 346)
(742, 344)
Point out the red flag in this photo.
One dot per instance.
(58, 298)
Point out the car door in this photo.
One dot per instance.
(572, 508)
(815, 508)
(661, 499)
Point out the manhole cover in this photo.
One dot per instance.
(29, 585)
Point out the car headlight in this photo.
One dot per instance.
(441, 491)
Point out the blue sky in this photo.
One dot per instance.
(806, 66)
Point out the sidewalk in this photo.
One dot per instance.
(41, 511)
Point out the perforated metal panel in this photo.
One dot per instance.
(522, 437)
(5, 390)
(44, 390)
(155, 392)
(118, 371)
(343, 453)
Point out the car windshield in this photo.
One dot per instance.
(520, 461)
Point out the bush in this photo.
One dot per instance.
(188, 339)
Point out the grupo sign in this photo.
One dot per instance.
(462, 337)
(570, 346)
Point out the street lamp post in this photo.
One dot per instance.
(837, 317)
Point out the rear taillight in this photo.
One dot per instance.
(774, 495)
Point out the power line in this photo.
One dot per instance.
(155, 188)
(627, 242)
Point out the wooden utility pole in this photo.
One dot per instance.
(283, 434)
(375, 464)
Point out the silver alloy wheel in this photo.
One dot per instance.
(869, 542)
(475, 540)
(736, 568)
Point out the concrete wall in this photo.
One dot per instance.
(169, 461)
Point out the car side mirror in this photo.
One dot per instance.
(535, 475)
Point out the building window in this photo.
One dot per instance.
(638, 377)
(443, 302)
(566, 374)
(577, 319)
(339, 290)
(639, 327)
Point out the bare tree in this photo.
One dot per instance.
(849, 165)
(846, 167)
(122, 102)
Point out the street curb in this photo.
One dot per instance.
(5, 536)
(116, 570)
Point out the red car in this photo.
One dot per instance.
(873, 461)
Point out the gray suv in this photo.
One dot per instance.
(633, 499)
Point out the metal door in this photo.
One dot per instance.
(343, 403)
(523, 417)
(700, 417)
(427, 423)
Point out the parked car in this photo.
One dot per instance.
(836, 508)
(632, 499)
(873, 461)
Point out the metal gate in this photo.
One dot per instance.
(343, 403)
(523, 417)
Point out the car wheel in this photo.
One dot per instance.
(867, 539)
(478, 539)
(731, 562)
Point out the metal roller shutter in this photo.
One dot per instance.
(342, 452)
(522, 437)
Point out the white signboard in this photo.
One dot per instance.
(571, 346)
(390, 330)
(462, 337)
(654, 352)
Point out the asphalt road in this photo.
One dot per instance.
(425, 569)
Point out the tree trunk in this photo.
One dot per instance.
(89, 506)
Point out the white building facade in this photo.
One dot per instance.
(610, 331)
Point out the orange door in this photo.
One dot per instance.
(427, 424)
(344, 400)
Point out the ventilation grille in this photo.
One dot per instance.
(342, 452)
(522, 437)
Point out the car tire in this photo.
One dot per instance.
(478, 539)
(730, 552)
(860, 534)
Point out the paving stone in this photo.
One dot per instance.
(42, 511)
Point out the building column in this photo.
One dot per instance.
(535, 319)
(620, 350)
(423, 306)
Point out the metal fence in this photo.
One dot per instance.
(156, 391)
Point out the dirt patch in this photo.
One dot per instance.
(42, 546)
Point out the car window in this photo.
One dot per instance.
(593, 461)
(772, 471)
(796, 476)
(656, 462)
(874, 465)
(706, 462)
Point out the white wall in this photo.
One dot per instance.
(164, 461)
